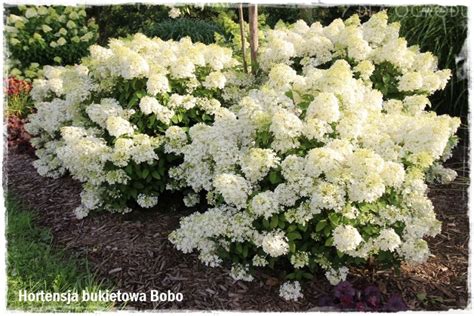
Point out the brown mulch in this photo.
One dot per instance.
(133, 253)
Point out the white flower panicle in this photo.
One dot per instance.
(291, 291)
(147, 201)
(346, 238)
(275, 244)
(233, 188)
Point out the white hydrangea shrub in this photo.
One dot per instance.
(46, 35)
(117, 121)
(326, 164)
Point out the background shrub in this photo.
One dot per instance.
(325, 15)
(122, 20)
(198, 30)
(41, 35)
(443, 31)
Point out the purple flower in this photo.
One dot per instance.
(372, 296)
(344, 289)
(395, 304)
(361, 307)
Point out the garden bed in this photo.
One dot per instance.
(133, 251)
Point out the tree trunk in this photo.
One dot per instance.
(242, 36)
(253, 25)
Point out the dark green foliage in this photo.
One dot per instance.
(123, 20)
(442, 31)
(310, 14)
(198, 30)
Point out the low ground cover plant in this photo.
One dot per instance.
(368, 299)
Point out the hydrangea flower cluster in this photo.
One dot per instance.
(45, 35)
(325, 164)
(117, 121)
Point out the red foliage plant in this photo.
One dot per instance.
(18, 139)
(15, 86)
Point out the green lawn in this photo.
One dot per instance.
(34, 265)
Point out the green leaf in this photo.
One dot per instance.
(303, 105)
(145, 173)
(128, 169)
(320, 226)
(238, 247)
(175, 119)
(327, 231)
(274, 177)
(334, 218)
(302, 228)
(281, 224)
(292, 246)
(329, 242)
(245, 251)
(155, 174)
(133, 101)
(294, 235)
(140, 94)
(235, 259)
(161, 166)
(274, 221)
(151, 121)
(365, 207)
(206, 117)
